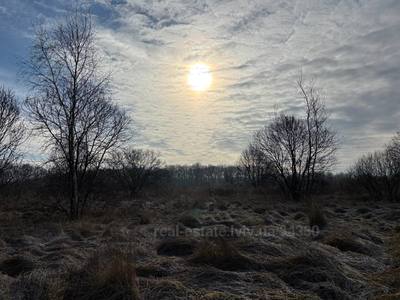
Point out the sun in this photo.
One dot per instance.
(200, 77)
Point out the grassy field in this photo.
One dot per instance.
(200, 245)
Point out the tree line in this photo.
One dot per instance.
(71, 111)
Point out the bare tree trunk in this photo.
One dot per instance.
(71, 104)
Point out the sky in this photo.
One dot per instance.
(255, 50)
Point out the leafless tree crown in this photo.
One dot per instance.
(298, 148)
(70, 105)
(132, 167)
(12, 132)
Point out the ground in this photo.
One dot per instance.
(202, 246)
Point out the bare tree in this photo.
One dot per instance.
(321, 139)
(133, 167)
(284, 144)
(253, 165)
(71, 106)
(299, 148)
(379, 172)
(12, 132)
(393, 149)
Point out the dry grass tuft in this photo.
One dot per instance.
(223, 255)
(395, 296)
(166, 290)
(216, 295)
(151, 271)
(81, 229)
(145, 217)
(38, 285)
(394, 247)
(189, 221)
(391, 277)
(316, 270)
(109, 274)
(252, 221)
(346, 241)
(285, 295)
(316, 216)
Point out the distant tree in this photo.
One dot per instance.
(299, 148)
(393, 149)
(254, 165)
(133, 168)
(71, 105)
(12, 131)
(284, 144)
(379, 172)
(321, 139)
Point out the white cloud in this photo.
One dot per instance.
(256, 49)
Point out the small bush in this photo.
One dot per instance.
(109, 274)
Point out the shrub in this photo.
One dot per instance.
(109, 274)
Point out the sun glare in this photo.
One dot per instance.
(200, 77)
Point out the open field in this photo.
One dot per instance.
(202, 246)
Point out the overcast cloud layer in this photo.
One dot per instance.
(256, 50)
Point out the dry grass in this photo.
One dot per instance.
(166, 290)
(394, 246)
(277, 266)
(285, 295)
(223, 255)
(316, 270)
(346, 241)
(316, 216)
(16, 265)
(38, 285)
(176, 247)
(391, 277)
(253, 221)
(109, 274)
(219, 296)
(145, 217)
(189, 220)
(81, 229)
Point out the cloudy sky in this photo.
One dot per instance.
(255, 49)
